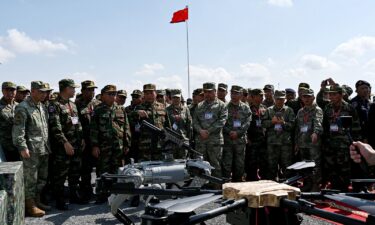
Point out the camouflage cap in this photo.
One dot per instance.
(198, 91)
(290, 91)
(280, 94)
(22, 89)
(256, 91)
(39, 85)
(245, 91)
(335, 89)
(176, 93)
(160, 92)
(8, 85)
(269, 87)
(67, 83)
(109, 88)
(122, 93)
(222, 86)
(168, 91)
(303, 85)
(362, 82)
(236, 88)
(47, 86)
(88, 84)
(149, 87)
(348, 90)
(54, 95)
(209, 86)
(308, 92)
(136, 93)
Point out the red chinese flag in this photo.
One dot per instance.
(180, 16)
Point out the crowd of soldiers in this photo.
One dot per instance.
(255, 135)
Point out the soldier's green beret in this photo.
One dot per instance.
(136, 93)
(67, 83)
(8, 85)
(88, 84)
(335, 89)
(198, 91)
(280, 94)
(256, 91)
(303, 85)
(160, 92)
(109, 88)
(149, 87)
(176, 93)
(236, 88)
(209, 86)
(308, 92)
(348, 90)
(222, 86)
(122, 93)
(39, 85)
(268, 87)
(22, 89)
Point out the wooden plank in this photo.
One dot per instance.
(260, 193)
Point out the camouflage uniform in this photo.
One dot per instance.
(239, 118)
(255, 158)
(30, 131)
(279, 148)
(336, 155)
(266, 102)
(65, 127)
(6, 123)
(179, 117)
(109, 130)
(211, 117)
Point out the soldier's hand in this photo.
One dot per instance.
(275, 120)
(204, 134)
(25, 153)
(68, 148)
(142, 114)
(314, 138)
(233, 135)
(365, 150)
(96, 152)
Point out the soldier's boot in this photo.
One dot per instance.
(32, 210)
(75, 197)
(41, 205)
(61, 204)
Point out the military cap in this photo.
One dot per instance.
(109, 88)
(303, 85)
(136, 93)
(176, 93)
(236, 88)
(209, 86)
(362, 82)
(290, 90)
(149, 87)
(8, 84)
(308, 92)
(335, 89)
(249, 90)
(268, 87)
(122, 93)
(222, 86)
(256, 91)
(67, 83)
(245, 90)
(39, 85)
(46, 85)
(88, 84)
(168, 91)
(189, 101)
(22, 89)
(348, 90)
(198, 91)
(160, 92)
(280, 94)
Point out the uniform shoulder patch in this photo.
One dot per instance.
(17, 118)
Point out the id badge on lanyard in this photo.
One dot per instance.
(208, 115)
(236, 123)
(304, 128)
(278, 127)
(258, 122)
(333, 127)
(137, 127)
(74, 120)
(174, 126)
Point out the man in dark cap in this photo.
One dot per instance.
(298, 103)
(347, 92)
(161, 97)
(22, 93)
(121, 97)
(222, 91)
(268, 93)
(290, 95)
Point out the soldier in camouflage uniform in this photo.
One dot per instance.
(208, 122)
(30, 136)
(290, 95)
(153, 112)
(121, 97)
(222, 91)
(336, 155)
(296, 104)
(255, 159)
(308, 136)
(269, 91)
(66, 132)
(85, 106)
(279, 122)
(198, 96)
(7, 106)
(234, 131)
(22, 93)
(161, 97)
(245, 94)
(181, 121)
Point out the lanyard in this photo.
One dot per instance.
(335, 115)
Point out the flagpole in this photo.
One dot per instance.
(188, 62)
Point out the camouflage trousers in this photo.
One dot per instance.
(233, 161)
(212, 152)
(255, 161)
(312, 153)
(35, 171)
(278, 158)
(66, 166)
(110, 159)
(337, 167)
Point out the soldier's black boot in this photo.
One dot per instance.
(61, 204)
(75, 197)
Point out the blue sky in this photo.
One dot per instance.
(245, 42)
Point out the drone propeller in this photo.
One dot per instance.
(189, 204)
(362, 204)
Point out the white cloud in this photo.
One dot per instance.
(296, 73)
(5, 55)
(149, 69)
(370, 64)
(253, 75)
(355, 47)
(316, 62)
(280, 3)
(200, 74)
